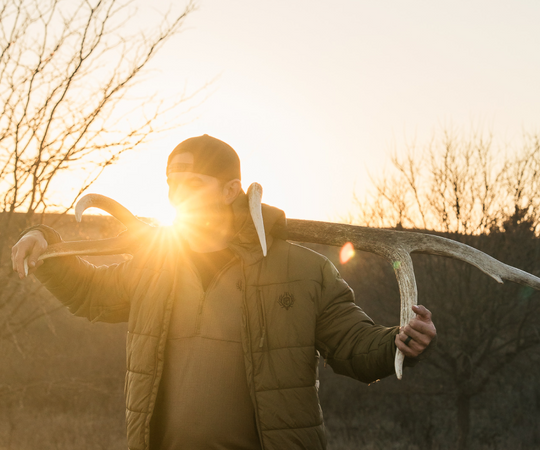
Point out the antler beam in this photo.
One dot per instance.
(113, 246)
(396, 247)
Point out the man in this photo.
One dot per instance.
(223, 343)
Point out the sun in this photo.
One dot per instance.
(138, 182)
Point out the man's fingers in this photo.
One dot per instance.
(33, 267)
(18, 254)
(406, 349)
(19, 260)
(418, 340)
(425, 328)
(422, 312)
(25, 253)
(37, 250)
(415, 337)
(22, 263)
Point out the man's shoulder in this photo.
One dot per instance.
(300, 261)
(308, 253)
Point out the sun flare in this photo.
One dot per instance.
(346, 253)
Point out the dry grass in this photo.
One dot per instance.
(28, 428)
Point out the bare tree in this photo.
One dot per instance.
(463, 188)
(67, 70)
(456, 184)
(64, 70)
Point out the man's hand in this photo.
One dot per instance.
(414, 338)
(30, 246)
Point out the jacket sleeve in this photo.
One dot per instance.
(348, 339)
(97, 293)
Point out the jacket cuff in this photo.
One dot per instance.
(379, 362)
(51, 235)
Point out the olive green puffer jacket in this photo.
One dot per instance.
(295, 307)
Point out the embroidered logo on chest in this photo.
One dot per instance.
(286, 300)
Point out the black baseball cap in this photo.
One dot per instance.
(210, 157)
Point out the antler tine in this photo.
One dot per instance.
(382, 242)
(437, 245)
(109, 205)
(254, 194)
(408, 292)
(112, 246)
(396, 246)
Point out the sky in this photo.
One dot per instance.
(315, 96)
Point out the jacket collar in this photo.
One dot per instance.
(245, 242)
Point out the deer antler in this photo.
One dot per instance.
(112, 246)
(395, 246)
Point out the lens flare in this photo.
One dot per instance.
(346, 253)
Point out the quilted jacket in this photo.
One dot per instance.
(295, 307)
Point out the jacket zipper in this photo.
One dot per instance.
(210, 286)
(199, 314)
(262, 317)
(248, 337)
